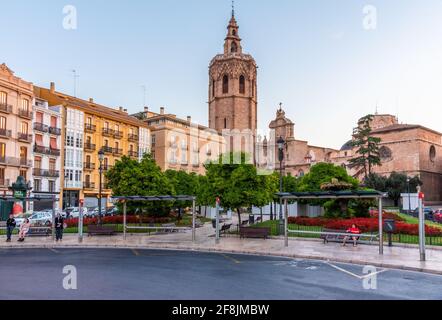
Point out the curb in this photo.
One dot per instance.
(220, 250)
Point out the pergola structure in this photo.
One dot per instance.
(125, 199)
(35, 199)
(373, 195)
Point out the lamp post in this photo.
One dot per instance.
(100, 158)
(281, 144)
(409, 195)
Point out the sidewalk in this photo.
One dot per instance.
(395, 257)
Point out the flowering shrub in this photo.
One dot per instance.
(116, 220)
(365, 224)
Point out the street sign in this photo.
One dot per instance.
(81, 202)
(421, 195)
(19, 194)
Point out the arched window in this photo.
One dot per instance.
(233, 32)
(301, 173)
(3, 97)
(225, 84)
(432, 153)
(213, 88)
(234, 47)
(242, 84)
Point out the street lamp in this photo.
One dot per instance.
(100, 158)
(281, 145)
(409, 195)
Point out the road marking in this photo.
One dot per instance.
(135, 252)
(355, 275)
(230, 258)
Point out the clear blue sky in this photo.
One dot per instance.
(314, 56)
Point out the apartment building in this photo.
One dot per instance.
(89, 128)
(179, 144)
(46, 152)
(16, 97)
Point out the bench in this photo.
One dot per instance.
(250, 232)
(244, 223)
(39, 232)
(198, 223)
(258, 220)
(100, 230)
(333, 235)
(170, 225)
(225, 228)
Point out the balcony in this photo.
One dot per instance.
(118, 134)
(89, 166)
(15, 162)
(132, 137)
(41, 127)
(47, 151)
(89, 147)
(25, 114)
(5, 108)
(88, 127)
(107, 150)
(117, 152)
(55, 131)
(5, 133)
(105, 186)
(37, 172)
(89, 185)
(24, 162)
(106, 168)
(24, 137)
(107, 132)
(133, 154)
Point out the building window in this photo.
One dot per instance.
(39, 117)
(3, 97)
(106, 125)
(53, 122)
(432, 153)
(52, 187)
(25, 104)
(225, 123)
(253, 88)
(234, 48)
(3, 123)
(23, 153)
(37, 162)
(154, 138)
(37, 185)
(24, 128)
(2, 151)
(301, 173)
(225, 84)
(2, 176)
(242, 85)
(385, 153)
(213, 88)
(24, 173)
(52, 165)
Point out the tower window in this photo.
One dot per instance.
(225, 123)
(213, 88)
(225, 84)
(234, 47)
(242, 84)
(234, 32)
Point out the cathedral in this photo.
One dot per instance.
(233, 110)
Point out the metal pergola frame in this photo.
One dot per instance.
(125, 199)
(374, 195)
(53, 199)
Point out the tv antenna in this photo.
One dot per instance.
(76, 76)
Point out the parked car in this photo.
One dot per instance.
(75, 213)
(112, 212)
(428, 212)
(36, 219)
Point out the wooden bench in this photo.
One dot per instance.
(100, 230)
(225, 228)
(170, 225)
(198, 223)
(258, 220)
(333, 235)
(244, 223)
(39, 232)
(249, 232)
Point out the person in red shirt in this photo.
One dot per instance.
(353, 230)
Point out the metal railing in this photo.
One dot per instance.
(25, 114)
(41, 127)
(24, 137)
(5, 133)
(6, 108)
(132, 137)
(118, 134)
(89, 166)
(89, 146)
(55, 131)
(90, 127)
(107, 132)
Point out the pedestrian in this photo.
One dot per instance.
(10, 226)
(353, 230)
(24, 229)
(59, 226)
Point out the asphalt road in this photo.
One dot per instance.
(164, 275)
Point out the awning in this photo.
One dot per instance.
(39, 140)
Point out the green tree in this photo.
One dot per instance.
(376, 182)
(397, 184)
(184, 184)
(132, 178)
(237, 184)
(367, 148)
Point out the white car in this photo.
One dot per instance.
(36, 219)
(76, 212)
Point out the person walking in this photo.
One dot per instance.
(59, 226)
(10, 226)
(24, 229)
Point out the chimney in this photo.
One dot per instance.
(125, 110)
(146, 109)
(189, 119)
(52, 87)
(91, 100)
(162, 110)
(120, 109)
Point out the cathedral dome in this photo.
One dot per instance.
(347, 146)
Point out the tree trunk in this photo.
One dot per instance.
(238, 210)
(262, 218)
(271, 211)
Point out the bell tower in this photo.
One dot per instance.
(233, 87)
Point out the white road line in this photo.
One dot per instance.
(355, 275)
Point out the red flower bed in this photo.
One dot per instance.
(116, 220)
(365, 224)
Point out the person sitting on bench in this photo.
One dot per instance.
(24, 229)
(353, 230)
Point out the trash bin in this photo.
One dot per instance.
(251, 219)
(390, 228)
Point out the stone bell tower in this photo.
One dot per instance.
(233, 87)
